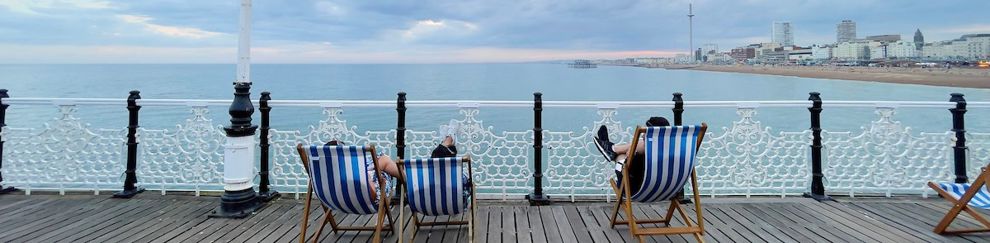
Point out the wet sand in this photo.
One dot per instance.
(955, 77)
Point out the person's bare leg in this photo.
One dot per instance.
(620, 149)
(386, 164)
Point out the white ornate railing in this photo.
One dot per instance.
(743, 158)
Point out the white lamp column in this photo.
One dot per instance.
(239, 198)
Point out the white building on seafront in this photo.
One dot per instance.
(823, 52)
(967, 47)
(902, 49)
(853, 50)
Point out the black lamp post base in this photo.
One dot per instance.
(538, 199)
(237, 204)
(817, 197)
(7, 190)
(269, 195)
(128, 193)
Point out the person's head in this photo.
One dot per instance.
(657, 121)
(334, 143)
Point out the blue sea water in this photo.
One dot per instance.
(466, 82)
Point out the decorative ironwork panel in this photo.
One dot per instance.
(287, 172)
(187, 158)
(748, 159)
(978, 154)
(885, 158)
(575, 165)
(500, 162)
(64, 155)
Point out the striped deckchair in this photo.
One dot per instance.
(670, 159)
(963, 197)
(437, 187)
(338, 176)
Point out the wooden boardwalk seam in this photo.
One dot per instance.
(154, 218)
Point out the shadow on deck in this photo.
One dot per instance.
(154, 218)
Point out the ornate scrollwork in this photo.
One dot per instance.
(749, 159)
(188, 158)
(575, 167)
(885, 158)
(65, 155)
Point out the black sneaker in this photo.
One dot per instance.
(603, 145)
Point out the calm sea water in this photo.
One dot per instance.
(466, 81)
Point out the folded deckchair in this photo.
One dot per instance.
(338, 176)
(438, 186)
(670, 160)
(963, 197)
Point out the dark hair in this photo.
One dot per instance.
(334, 143)
(657, 121)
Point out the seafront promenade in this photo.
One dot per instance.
(954, 77)
(151, 217)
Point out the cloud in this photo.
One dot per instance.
(392, 31)
(171, 31)
(39, 6)
(437, 28)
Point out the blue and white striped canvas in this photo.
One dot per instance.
(435, 186)
(340, 178)
(670, 159)
(956, 190)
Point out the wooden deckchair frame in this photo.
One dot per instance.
(962, 205)
(416, 221)
(635, 227)
(383, 204)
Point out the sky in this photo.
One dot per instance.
(443, 31)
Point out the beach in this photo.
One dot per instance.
(954, 77)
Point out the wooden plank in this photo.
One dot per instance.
(239, 226)
(601, 220)
(645, 211)
(108, 226)
(156, 229)
(524, 230)
(754, 224)
(797, 227)
(494, 225)
(536, 224)
(550, 228)
(149, 220)
(584, 224)
(862, 225)
(788, 234)
(482, 225)
(564, 225)
(926, 217)
(46, 219)
(900, 221)
(281, 227)
(508, 223)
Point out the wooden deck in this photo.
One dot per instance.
(154, 218)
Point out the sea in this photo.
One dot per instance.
(516, 81)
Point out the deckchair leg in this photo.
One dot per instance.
(402, 213)
(305, 217)
(327, 218)
(618, 203)
(670, 210)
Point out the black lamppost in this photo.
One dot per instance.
(239, 198)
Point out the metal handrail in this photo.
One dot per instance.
(496, 103)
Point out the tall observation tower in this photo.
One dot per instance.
(691, 32)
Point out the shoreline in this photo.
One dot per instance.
(962, 78)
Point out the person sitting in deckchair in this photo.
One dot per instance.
(617, 152)
(446, 148)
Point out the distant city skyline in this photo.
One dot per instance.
(446, 31)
